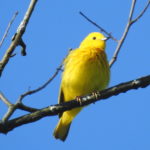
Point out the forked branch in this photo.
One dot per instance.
(17, 39)
(130, 22)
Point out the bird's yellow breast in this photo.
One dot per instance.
(85, 71)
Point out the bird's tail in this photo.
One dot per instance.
(61, 130)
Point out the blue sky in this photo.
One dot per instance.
(120, 122)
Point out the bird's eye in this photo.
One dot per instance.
(94, 38)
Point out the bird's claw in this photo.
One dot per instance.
(78, 98)
(95, 94)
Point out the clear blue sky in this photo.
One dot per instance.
(119, 123)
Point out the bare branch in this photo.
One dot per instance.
(5, 100)
(86, 100)
(129, 24)
(13, 107)
(18, 36)
(41, 87)
(7, 125)
(19, 105)
(99, 27)
(142, 12)
(26, 108)
(131, 10)
(8, 27)
(17, 40)
(9, 112)
(126, 31)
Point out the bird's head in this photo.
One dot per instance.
(94, 40)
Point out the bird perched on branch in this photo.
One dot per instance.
(86, 70)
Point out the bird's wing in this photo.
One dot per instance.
(60, 98)
(61, 92)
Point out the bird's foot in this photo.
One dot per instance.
(78, 98)
(95, 94)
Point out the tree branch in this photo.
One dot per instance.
(41, 87)
(26, 108)
(7, 125)
(126, 31)
(18, 36)
(98, 26)
(8, 27)
(86, 100)
(5, 100)
(19, 104)
(142, 12)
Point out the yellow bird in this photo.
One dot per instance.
(86, 70)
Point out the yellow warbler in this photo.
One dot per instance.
(86, 70)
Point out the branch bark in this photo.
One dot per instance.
(18, 36)
(19, 105)
(56, 109)
(8, 27)
(5, 100)
(126, 31)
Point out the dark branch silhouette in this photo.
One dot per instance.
(143, 82)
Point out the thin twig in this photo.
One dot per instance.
(99, 27)
(19, 104)
(131, 11)
(15, 42)
(26, 108)
(18, 36)
(5, 100)
(126, 31)
(9, 112)
(121, 41)
(12, 108)
(142, 12)
(8, 27)
(86, 100)
(41, 87)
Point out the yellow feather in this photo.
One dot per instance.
(86, 70)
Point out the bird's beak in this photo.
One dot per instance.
(105, 38)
